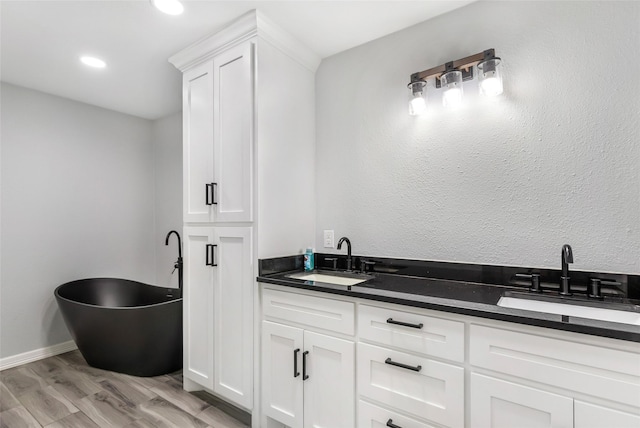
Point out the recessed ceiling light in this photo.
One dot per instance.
(170, 7)
(93, 62)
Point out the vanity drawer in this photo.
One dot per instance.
(317, 312)
(596, 369)
(431, 390)
(413, 332)
(371, 416)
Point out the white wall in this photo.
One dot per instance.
(556, 160)
(286, 150)
(77, 202)
(167, 147)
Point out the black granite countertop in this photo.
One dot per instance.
(455, 296)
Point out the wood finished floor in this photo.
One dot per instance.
(64, 392)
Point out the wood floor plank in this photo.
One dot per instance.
(76, 420)
(219, 419)
(47, 367)
(18, 417)
(21, 380)
(174, 393)
(74, 385)
(129, 392)
(165, 412)
(147, 382)
(7, 399)
(47, 405)
(73, 358)
(146, 423)
(106, 410)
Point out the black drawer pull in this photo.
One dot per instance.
(296, 373)
(304, 365)
(406, 324)
(390, 424)
(210, 255)
(403, 366)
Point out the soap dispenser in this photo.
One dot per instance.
(308, 260)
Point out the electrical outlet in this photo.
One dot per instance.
(328, 239)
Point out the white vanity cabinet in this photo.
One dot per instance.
(419, 368)
(396, 368)
(537, 380)
(307, 372)
(248, 129)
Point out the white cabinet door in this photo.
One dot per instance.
(329, 389)
(591, 416)
(498, 403)
(198, 143)
(233, 287)
(233, 134)
(198, 306)
(282, 387)
(425, 388)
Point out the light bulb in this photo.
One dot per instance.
(490, 77)
(452, 83)
(417, 106)
(417, 101)
(452, 97)
(170, 7)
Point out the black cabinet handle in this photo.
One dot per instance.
(406, 324)
(390, 424)
(296, 373)
(304, 365)
(403, 366)
(210, 194)
(210, 255)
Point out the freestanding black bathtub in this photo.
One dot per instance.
(124, 326)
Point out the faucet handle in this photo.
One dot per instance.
(535, 281)
(334, 260)
(364, 265)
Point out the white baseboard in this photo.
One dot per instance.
(36, 354)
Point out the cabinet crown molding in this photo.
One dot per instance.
(247, 26)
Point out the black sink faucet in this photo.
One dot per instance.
(567, 257)
(345, 239)
(178, 264)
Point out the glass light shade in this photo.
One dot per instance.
(452, 84)
(417, 100)
(490, 77)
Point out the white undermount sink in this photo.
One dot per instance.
(328, 278)
(571, 309)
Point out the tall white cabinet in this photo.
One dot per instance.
(248, 147)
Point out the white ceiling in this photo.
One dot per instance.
(41, 41)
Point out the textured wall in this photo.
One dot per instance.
(77, 202)
(555, 160)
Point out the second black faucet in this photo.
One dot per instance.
(345, 239)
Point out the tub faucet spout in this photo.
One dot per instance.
(178, 263)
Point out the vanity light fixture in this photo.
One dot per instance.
(449, 77)
(170, 7)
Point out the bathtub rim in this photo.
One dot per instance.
(57, 295)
